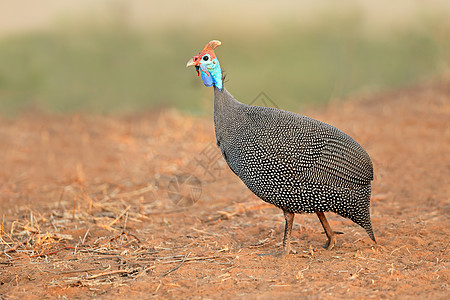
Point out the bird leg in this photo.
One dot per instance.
(289, 217)
(328, 231)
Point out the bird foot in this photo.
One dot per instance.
(331, 242)
(289, 251)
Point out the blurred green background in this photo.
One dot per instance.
(124, 56)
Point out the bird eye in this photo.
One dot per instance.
(206, 58)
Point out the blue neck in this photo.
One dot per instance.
(212, 74)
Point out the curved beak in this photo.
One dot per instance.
(190, 63)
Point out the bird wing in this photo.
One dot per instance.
(314, 151)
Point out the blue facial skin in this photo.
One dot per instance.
(211, 72)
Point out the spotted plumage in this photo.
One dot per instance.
(296, 163)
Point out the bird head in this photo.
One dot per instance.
(207, 64)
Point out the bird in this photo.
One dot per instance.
(298, 164)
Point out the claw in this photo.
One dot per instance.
(288, 250)
(328, 231)
(331, 242)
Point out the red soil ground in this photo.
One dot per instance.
(143, 206)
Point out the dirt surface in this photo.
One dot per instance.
(143, 206)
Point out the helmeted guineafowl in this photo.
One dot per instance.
(296, 163)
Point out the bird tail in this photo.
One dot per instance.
(369, 231)
(362, 218)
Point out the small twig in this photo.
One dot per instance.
(114, 238)
(176, 268)
(397, 249)
(207, 233)
(120, 216)
(74, 207)
(85, 235)
(95, 251)
(8, 236)
(3, 223)
(157, 288)
(197, 258)
(109, 273)
(135, 193)
(149, 268)
(264, 242)
(53, 223)
(55, 235)
(72, 271)
(12, 248)
(125, 222)
(130, 234)
(53, 252)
